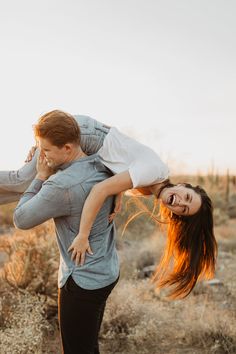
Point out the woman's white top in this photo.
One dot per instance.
(120, 153)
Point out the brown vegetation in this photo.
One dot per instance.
(138, 318)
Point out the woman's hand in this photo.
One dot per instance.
(31, 154)
(79, 247)
(117, 208)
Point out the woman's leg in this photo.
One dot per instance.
(14, 183)
(80, 316)
(93, 133)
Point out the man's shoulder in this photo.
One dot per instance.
(65, 178)
(79, 172)
(75, 172)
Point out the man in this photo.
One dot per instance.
(83, 290)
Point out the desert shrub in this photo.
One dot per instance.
(232, 199)
(218, 201)
(136, 255)
(24, 326)
(33, 260)
(209, 326)
(232, 206)
(139, 320)
(6, 212)
(128, 322)
(30, 276)
(220, 216)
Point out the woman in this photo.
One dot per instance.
(191, 247)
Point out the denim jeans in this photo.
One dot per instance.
(14, 183)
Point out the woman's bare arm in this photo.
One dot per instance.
(97, 196)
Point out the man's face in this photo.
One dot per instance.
(54, 155)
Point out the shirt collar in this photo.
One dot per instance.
(81, 159)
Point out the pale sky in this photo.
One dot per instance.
(161, 71)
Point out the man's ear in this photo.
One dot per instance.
(68, 147)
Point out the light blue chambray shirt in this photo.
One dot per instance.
(62, 197)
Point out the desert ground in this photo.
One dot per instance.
(139, 318)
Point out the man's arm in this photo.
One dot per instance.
(41, 201)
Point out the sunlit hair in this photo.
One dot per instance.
(58, 127)
(191, 248)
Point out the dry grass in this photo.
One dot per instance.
(32, 260)
(25, 325)
(138, 319)
(30, 277)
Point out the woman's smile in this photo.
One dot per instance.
(181, 200)
(171, 199)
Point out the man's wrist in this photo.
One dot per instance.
(41, 177)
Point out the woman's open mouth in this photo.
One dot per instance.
(171, 199)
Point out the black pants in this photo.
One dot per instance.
(80, 313)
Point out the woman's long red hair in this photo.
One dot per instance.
(191, 248)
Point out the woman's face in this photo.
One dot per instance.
(181, 200)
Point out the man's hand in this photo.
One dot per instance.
(79, 247)
(43, 170)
